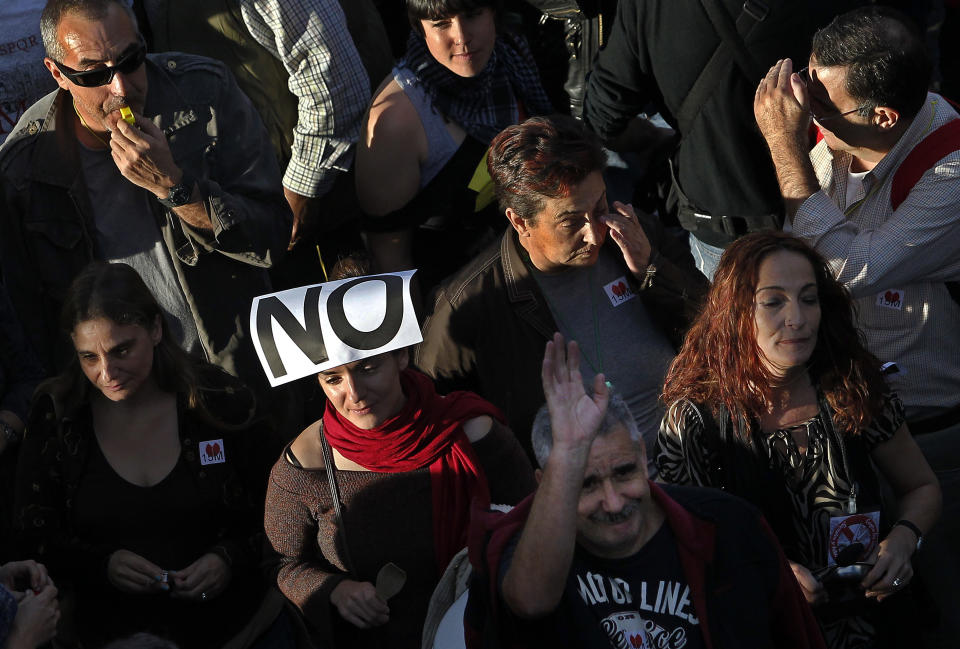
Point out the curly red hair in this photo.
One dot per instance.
(720, 361)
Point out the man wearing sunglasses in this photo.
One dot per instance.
(879, 198)
(189, 193)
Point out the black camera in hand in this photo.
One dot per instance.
(842, 581)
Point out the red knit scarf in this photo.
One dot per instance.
(427, 431)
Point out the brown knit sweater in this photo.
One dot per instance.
(388, 518)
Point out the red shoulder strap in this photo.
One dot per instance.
(936, 145)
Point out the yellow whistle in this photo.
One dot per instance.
(127, 115)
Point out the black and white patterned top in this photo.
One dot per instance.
(816, 483)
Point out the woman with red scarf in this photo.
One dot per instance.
(406, 463)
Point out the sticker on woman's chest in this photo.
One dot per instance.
(619, 291)
(891, 299)
(852, 537)
(211, 452)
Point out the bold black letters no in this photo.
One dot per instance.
(308, 338)
(392, 317)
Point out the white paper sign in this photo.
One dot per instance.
(306, 330)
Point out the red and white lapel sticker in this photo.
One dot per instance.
(891, 299)
(211, 452)
(619, 291)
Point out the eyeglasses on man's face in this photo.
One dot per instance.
(127, 63)
(805, 78)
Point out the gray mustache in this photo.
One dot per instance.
(612, 518)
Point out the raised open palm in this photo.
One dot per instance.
(575, 415)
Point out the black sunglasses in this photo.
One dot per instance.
(101, 76)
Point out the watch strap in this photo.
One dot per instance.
(180, 193)
(913, 528)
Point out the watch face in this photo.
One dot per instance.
(179, 193)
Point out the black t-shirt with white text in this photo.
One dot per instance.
(642, 601)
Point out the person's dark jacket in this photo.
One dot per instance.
(46, 221)
(489, 323)
(654, 55)
(742, 588)
(20, 370)
(56, 450)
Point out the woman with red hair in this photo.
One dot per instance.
(773, 397)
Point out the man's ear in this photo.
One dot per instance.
(55, 73)
(519, 224)
(885, 118)
(538, 474)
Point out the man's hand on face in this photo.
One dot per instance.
(629, 235)
(142, 154)
(781, 105)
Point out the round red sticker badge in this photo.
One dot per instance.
(856, 528)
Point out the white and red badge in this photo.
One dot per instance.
(891, 299)
(211, 452)
(850, 529)
(619, 291)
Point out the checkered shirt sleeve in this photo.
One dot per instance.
(310, 37)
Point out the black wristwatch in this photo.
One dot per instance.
(913, 528)
(180, 193)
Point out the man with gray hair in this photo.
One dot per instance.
(602, 556)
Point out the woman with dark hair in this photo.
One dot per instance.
(461, 81)
(404, 464)
(138, 482)
(774, 398)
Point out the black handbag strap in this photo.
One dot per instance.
(331, 469)
(732, 46)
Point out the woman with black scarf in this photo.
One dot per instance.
(421, 160)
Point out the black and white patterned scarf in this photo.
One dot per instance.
(485, 104)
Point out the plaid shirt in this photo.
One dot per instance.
(895, 263)
(326, 74)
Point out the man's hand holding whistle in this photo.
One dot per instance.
(142, 154)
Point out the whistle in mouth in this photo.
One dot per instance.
(127, 115)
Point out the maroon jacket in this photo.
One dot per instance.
(743, 590)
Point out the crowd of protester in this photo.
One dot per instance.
(729, 418)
